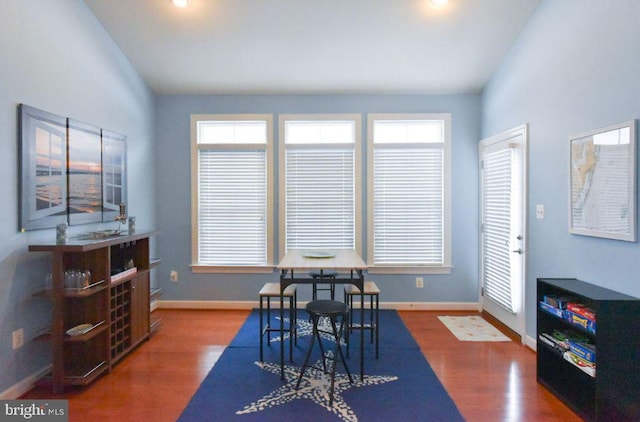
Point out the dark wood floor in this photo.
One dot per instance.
(488, 381)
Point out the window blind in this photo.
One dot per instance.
(320, 207)
(232, 207)
(497, 226)
(408, 206)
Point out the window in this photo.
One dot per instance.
(409, 205)
(320, 179)
(231, 155)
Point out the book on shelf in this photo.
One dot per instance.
(583, 311)
(586, 367)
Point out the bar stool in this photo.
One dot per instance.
(330, 287)
(272, 291)
(371, 291)
(337, 313)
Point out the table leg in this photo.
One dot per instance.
(362, 332)
(281, 331)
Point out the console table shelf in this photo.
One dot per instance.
(117, 306)
(610, 391)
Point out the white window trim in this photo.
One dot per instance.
(357, 119)
(195, 266)
(446, 267)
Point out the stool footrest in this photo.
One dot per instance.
(356, 326)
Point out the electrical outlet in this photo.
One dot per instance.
(540, 212)
(419, 282)
(173, 275)
(18, 338)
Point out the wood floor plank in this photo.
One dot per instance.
(488, 381)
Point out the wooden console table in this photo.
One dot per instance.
(96, 324)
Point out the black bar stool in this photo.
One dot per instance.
(272, 291)
(371, 291)
(337, 314)
(330, 287)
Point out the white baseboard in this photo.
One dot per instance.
(531, 343)
(400, 306)
(205, 304)
(431, 306)
(25, 385)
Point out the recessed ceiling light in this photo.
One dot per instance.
(439, 2)
(181, 3)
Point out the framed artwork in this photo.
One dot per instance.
(70, 172)
(43, 169)
(114, 187)
(603, 182)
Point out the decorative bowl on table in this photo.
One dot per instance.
(319, 254)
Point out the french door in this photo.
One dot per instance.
(503, 226)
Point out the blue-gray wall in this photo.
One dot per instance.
(56, 57)
(575, 68)
(174, 197)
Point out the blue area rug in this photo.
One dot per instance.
(400, 385)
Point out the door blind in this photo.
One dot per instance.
(497, 227)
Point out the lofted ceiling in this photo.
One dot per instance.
(314, 47)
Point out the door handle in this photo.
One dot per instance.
(518, 251)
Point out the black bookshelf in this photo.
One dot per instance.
(613, 391)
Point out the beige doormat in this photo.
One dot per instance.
(472, 328)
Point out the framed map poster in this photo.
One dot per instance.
(602, 182)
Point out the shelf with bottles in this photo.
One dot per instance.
(128, 258)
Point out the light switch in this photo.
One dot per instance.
(540, 212)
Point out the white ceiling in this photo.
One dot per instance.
(312, 46)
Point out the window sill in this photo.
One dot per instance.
(443, 269)
(210, 269)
